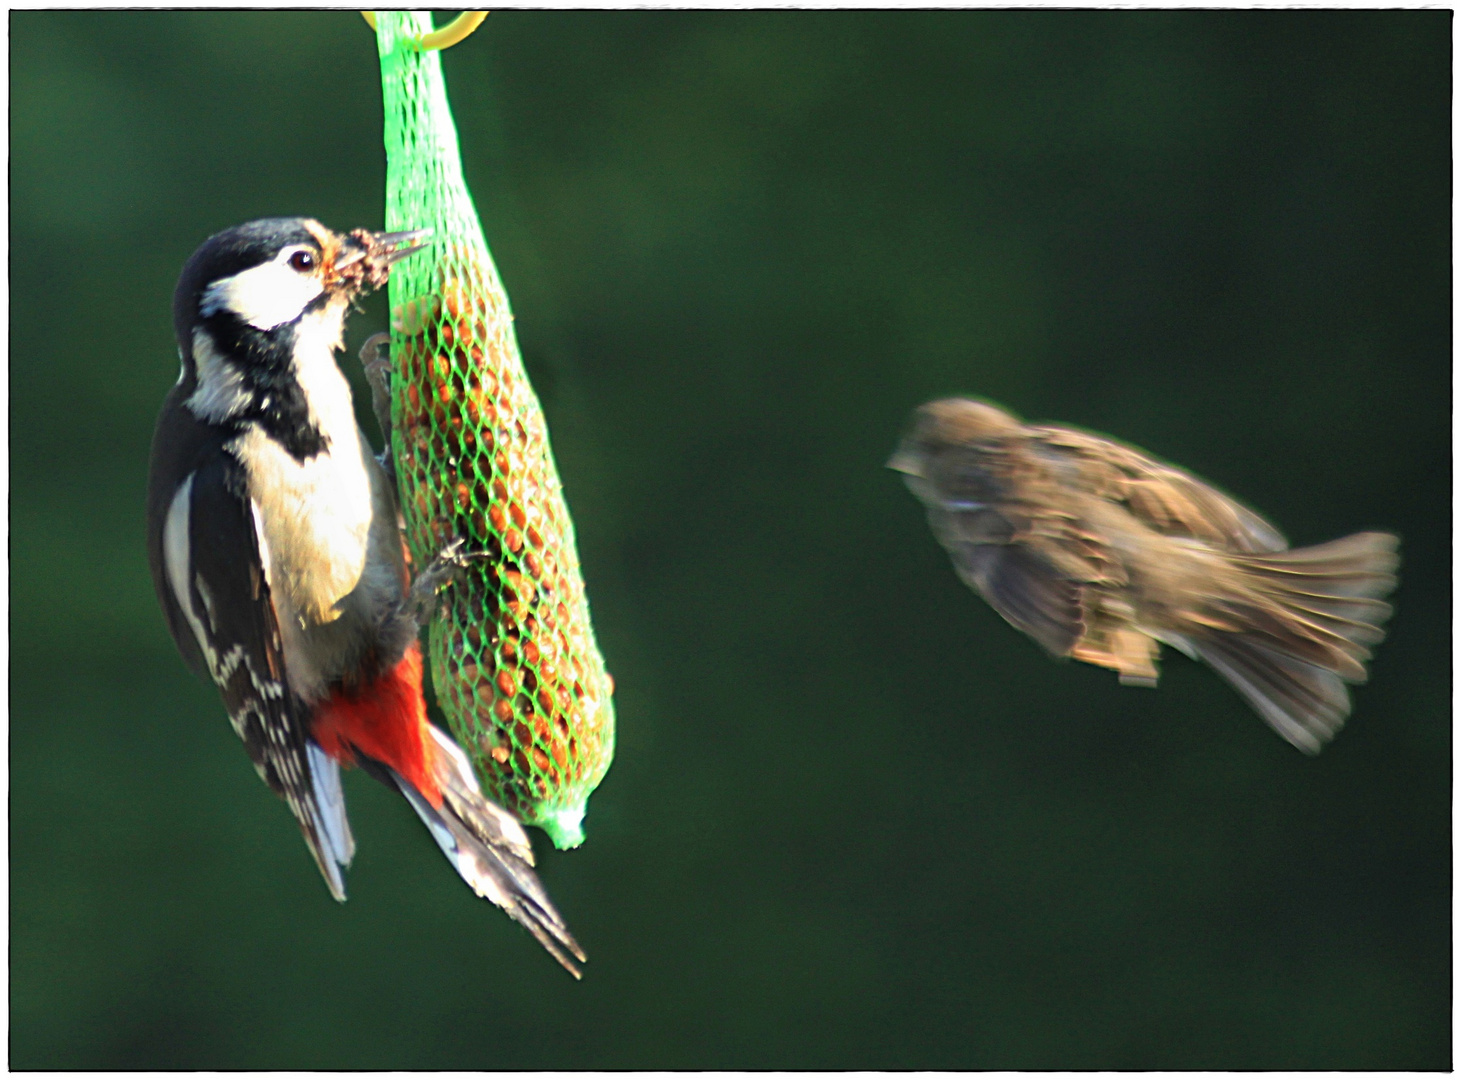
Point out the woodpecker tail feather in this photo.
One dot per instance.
(382, 726)
(326, 826)
(1297, 628)
(489, 849)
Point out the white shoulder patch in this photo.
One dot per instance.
(263, 296)
(177, 558)
(263, 540)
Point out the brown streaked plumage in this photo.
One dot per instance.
(1099, 552)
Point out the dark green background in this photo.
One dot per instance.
(856, 821)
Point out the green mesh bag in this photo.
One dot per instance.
(513, 657)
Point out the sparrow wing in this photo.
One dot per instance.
(1025, 589)
(1162, 496)
(1016, 537)
(1009, 544)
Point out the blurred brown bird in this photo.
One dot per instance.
(1098, 552)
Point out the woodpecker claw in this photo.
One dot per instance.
(375, 358)
(436, 576)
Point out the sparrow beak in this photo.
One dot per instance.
(907, 461)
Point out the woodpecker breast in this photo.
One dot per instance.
(327, 523)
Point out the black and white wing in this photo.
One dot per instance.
(208, 569)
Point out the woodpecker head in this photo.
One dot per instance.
(256, 301)
(261, 278)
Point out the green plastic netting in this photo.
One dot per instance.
(513, 657)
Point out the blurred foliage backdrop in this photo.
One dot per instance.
(856, 821)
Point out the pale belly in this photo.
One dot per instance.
(333, 554)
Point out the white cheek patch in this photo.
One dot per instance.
(264, 296)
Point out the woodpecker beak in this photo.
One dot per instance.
(366, 262)
(394, 238)
(377, 246)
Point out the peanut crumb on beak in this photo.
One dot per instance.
(373, 271)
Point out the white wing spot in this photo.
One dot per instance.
(228, 664)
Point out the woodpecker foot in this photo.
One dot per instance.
(436, 576)
(375, 358)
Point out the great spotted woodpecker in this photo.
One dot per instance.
(275, 549)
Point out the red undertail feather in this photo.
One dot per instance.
(384, 720)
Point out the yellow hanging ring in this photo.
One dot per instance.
(448, 35)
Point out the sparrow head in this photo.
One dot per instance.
(951, 424)
(268, 274)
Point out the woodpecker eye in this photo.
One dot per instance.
(302, 261)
